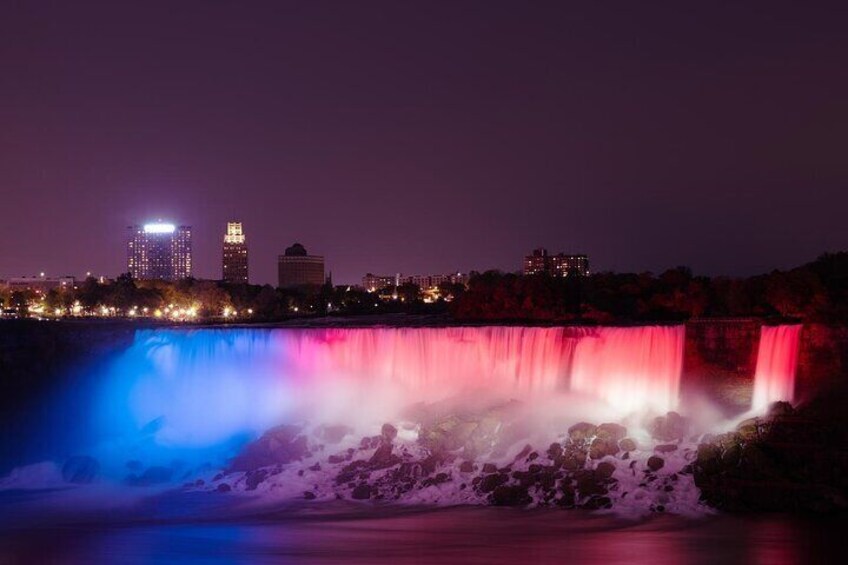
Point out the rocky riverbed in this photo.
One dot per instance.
(474, 458)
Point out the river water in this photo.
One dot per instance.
(179, 528)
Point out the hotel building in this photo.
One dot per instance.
(159, 251)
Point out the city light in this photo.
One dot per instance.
(159, 228)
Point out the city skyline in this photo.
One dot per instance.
(645, 138)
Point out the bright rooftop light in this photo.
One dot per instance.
(159, 228)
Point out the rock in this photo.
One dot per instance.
(604, 470)
(754, 463)
(582, 431)
(336, 459)
(279, 445)
(748, 429)
(510, 495)
(383, 457)
(612, 432)
(254, 478)
(780, 408)
(80, 469)
(490, 468)
(350, 471)
(731, 456)
(361, 492)
(554, 451)
(665, 448)
(334, 434)
(448, 434)
(566, 497)
(224, 487)
(588, 483)
(309, 495)
(627, 444)
(600, 448)
(655, 463)
(670, 427)
(388, 433)
(708, 461)
(597, 502)
(574, 461)
(466, 467)
(491, 482)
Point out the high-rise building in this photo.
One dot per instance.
(372, 282)
(560, 265)
(297, 268)
(235, 254)
(159, 251)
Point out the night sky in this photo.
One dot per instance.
(425, 137)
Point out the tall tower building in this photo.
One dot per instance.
(235, 254)
(297, 268)
(159, 251)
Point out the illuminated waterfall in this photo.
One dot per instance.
(777, 359)
(630, 368)
(201, 387)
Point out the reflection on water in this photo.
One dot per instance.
(155, 532)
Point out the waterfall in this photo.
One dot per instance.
(201, 387)
(777, 359)
(630, 368)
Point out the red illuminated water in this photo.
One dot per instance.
(630, 368)
(777, 359)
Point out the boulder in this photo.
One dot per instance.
(254, 478)
(596, 503)
(604, 470)
(779, 409)
(600, 448)
(611, 432)
(361, 492)
(491, 482)
(588, 483)
(334, 434)
(655, 463)
(670, 427)
(582, 431)
(708, 461)
(80, 469)
(388, 433)
(748, 429)
(627, 444)
(554, 451)
(383, 457)
(510, 495)
(278, 446)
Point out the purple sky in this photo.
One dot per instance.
(425, 136)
